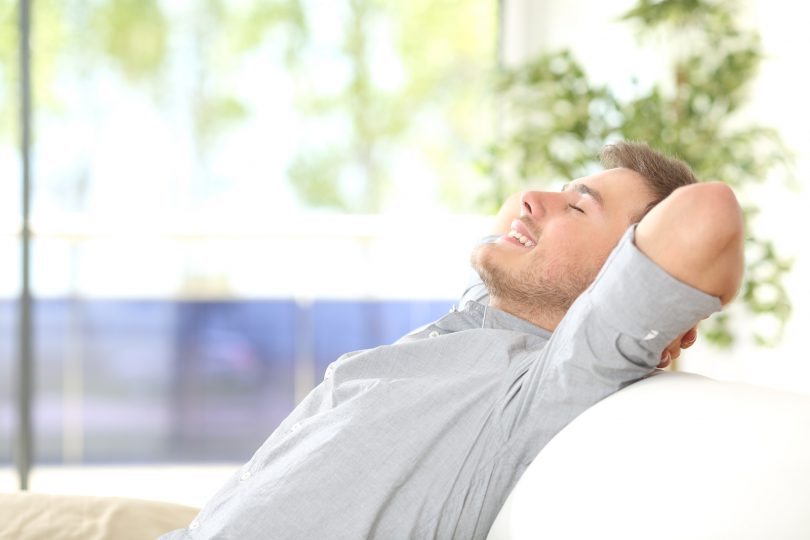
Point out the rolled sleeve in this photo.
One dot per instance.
(639, 300)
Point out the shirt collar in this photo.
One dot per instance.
(490, 317)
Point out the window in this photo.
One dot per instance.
(223, 197)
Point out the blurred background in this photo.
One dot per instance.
(227, 196)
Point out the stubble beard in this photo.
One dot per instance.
(542, 294)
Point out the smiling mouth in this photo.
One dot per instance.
(527, 242)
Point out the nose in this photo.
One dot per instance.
(536, 204)
(529, 204)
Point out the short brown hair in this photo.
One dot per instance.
(664, 174)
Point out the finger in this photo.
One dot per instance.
(689, 338)
(674, 350)
(666, 358)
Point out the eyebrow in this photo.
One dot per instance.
(585, 190)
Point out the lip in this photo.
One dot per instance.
(520, 227)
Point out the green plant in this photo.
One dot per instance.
(414, 86)
(556, 120)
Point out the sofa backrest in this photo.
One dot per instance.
(674, 456)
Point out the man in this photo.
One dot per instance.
(425, 438)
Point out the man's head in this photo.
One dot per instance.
(561, 239)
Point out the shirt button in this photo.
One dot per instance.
(245, 475)
(328, 373)
(296, 427)
(194, 525)
(433, 334)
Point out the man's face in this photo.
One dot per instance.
(558, 244)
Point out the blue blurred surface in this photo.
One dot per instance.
(161, 381)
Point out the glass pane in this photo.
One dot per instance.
(196, 261)
(8, 371)
(9, 246)
(161, 380)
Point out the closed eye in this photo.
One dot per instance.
(577, 208)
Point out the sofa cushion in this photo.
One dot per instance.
(38, 516)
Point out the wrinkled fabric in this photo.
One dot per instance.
(426, 437)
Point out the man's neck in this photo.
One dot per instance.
(545, 319)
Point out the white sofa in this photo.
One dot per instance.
(675, 456)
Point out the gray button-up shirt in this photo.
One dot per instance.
(425, 438)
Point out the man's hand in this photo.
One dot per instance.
(673, 350)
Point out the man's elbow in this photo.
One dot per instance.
(697, 235)
(718, 214)
(716, 225)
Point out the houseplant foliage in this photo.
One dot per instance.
(556, 120)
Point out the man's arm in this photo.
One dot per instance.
(696, 235)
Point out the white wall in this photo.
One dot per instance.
(610, 52)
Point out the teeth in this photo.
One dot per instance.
(521, 238)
